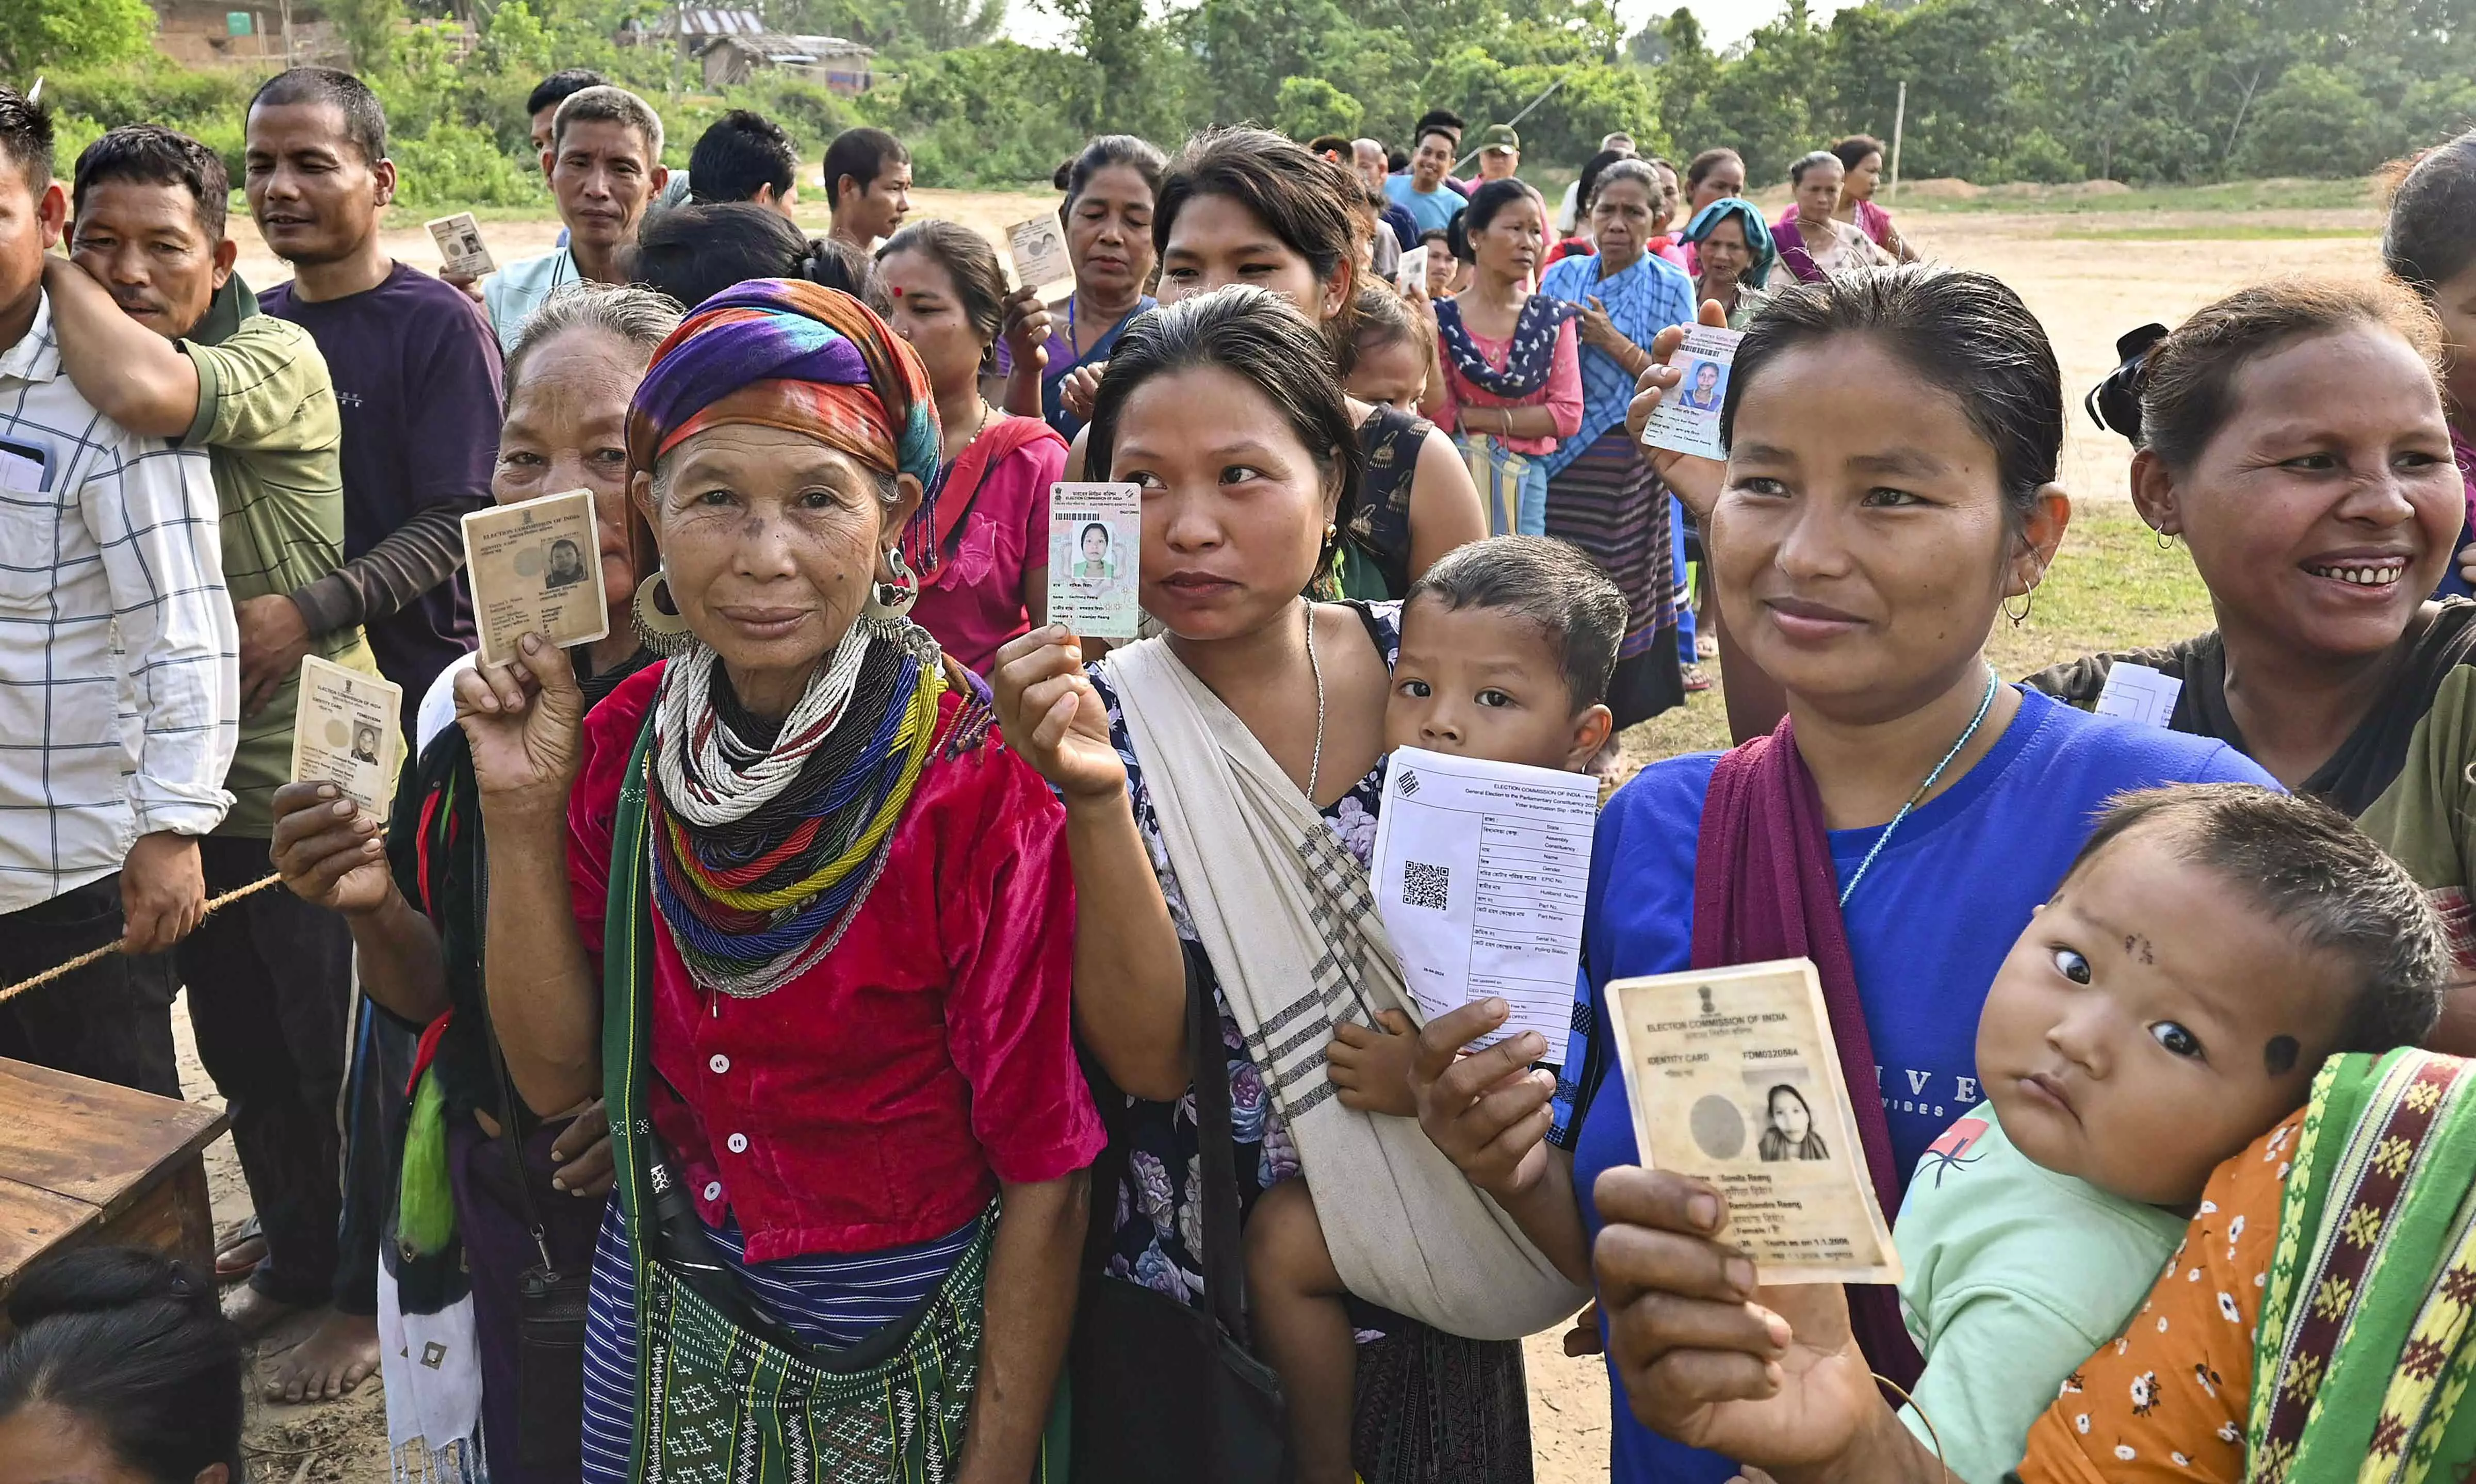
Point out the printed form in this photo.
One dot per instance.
(1481, 872)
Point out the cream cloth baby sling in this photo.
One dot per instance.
(1287, 918)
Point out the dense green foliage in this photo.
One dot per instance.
(2152, 91)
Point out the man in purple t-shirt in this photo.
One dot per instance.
(416, 369)
(418, 388)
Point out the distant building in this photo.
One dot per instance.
(731, 45)
(268, 33)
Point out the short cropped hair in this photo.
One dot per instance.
(2311, 869)
(26, 138)
(740, 154)
(610, 105)
(364, 121)
(1445, 119)
(862, 153)
(153, 155)
(1549, 585)
(560, 86)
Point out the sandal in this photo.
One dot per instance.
(238, 1255)
(1696, 680)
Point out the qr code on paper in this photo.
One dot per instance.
(1424, 885)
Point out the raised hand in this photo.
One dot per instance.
(1081, 384)
(1696, 481)
(523, 723)
(1049, 711)
(1488, 1111)
(329, 850)
(1028, 328)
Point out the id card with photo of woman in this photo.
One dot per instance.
(346, 730)
(535, 568)
(1687, 420)
(1733, 1078)
(1095, 536)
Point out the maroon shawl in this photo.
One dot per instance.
(1765, 888)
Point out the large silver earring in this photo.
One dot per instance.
(890, 602)
(2166, 542)
(655, 614)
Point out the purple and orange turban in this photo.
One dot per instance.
(780, 352)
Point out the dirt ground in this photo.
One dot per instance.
(2084, 287)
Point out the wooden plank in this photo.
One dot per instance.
(34, 1222)
(93, 1142)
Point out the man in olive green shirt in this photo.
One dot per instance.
(157, 332)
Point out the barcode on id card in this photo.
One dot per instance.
(1424, 885)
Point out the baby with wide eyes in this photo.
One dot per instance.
(2211, 947)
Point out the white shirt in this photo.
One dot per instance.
(511, 295)
(120, 660)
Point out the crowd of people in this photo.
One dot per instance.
(843, 1024)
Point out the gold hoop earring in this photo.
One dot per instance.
(656, 615)
(2028, 606)
(2166, 542)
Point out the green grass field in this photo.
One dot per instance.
(2229, 231)
(2282, 195)
(2111, 587)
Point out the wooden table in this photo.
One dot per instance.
(83, 1162)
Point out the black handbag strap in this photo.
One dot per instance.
(1223, 1259)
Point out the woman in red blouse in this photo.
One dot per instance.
(808, 922)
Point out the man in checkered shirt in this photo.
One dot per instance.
(120, 679)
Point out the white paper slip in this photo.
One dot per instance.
(1480, 870)
(1096, 535)
(347, 730)
(1733, 1078)
(1413, 273)
(1687, 420)
(1039, 248)
(2139, 693)
(537, 568)
(460, 250)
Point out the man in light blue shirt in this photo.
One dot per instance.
(1422, 192)
(604, 166)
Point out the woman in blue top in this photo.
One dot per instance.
(1110, 188)
(1893, 439)
(1602, 494)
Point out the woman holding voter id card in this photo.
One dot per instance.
(1889, 488)
(755, 898)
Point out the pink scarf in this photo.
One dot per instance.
(1764, 888)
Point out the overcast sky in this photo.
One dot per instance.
(1725, 21)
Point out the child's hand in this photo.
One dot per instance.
(1372, 1068)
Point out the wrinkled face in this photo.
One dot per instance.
(1432, 161)
(770, 540)
(1858, 543)
(1725, 178)
(1859, 185)
(1481, 683)
(2151, 1020)
(1390, 372)
(1790, 1116)
(1110, 233)
(603, 174)
(928, 312)
(1818, 190)
(2327, 506)
(1623, 216)
(879, 207)
(1722, 254)
(1234, 506)
(1367, 158)
(314, 195)
(31, 214)
(1219, 240)
(2454, 302)
(566, 429)
(142, 240)
(1510, 243)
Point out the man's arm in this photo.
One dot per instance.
(130, 374)
(382, 581)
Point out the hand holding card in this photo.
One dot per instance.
(1687, 419)
(537, 568)
(1039, 249)
(1095, 533)
(461, 251)
(347, 730)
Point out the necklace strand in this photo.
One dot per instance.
(1984, 704)
(1315, 762)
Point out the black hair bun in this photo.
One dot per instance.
(1065, 173)
(2115, 404)
(102, 1279)
(1457, 237)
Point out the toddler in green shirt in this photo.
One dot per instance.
(2208, 947)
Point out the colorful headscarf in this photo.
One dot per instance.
(1750, 218)
(779, 352)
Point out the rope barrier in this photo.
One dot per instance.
(109, 948)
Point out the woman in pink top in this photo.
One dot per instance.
(985, 536)
(1861, 156)
(1513, 373)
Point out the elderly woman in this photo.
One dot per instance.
(1732, 245)
(809, 924)
(1602, 495)
(1110, 190)
(1813, 242)
(415, 907)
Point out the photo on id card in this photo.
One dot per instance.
(1733, 1078)
(347, 730)
(1039, 250)
(460, 250)
(1687, 420)
(1095, 538)
(537, 568)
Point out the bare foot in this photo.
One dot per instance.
(253, 1311)
(240, 1259)
(339, 1354)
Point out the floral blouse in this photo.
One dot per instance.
(1158, 1233)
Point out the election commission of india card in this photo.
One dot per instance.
(537, 568)
(1733, 1078)
(346, 731)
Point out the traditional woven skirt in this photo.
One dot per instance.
(1608, 503)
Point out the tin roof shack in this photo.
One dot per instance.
(731, 45)
(267, 34)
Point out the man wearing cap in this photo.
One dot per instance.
(1499, 153)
